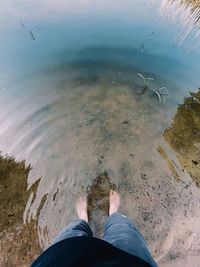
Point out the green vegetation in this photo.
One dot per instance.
(184, 135)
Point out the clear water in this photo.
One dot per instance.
(65, 95)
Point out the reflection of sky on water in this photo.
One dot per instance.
(94, 42)
(87, 39)
(66, 27)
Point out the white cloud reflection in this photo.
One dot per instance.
(40, 9)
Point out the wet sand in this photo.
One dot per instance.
(113, 138)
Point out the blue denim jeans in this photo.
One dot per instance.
(118, 231)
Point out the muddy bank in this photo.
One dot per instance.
(18, 242)
(184, 135)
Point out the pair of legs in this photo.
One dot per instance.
(118, 230)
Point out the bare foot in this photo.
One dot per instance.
(81, 208)
(114, 202)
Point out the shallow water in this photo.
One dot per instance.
(69, 104)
